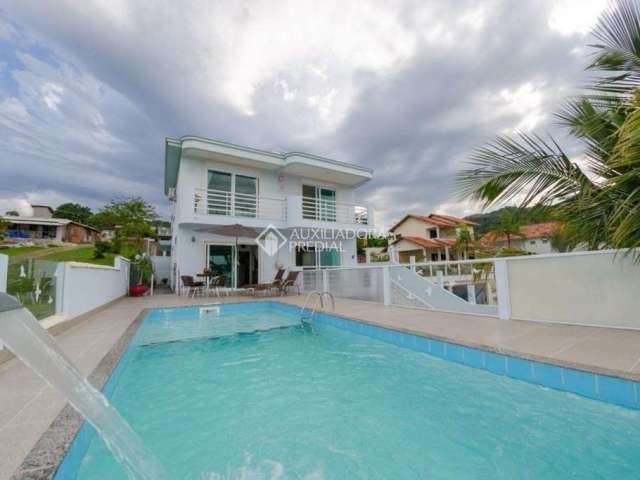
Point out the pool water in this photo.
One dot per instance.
(284, 401)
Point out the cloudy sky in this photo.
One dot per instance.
(89, 89)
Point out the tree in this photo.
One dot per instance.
(508, 227)
(4, 226)
(598, 199)
(463, 238)
(133, 215)
(73, 211)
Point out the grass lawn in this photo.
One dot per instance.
(14, 251)
(80, 254)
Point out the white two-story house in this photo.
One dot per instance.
(309, 200)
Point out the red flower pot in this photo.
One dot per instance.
(137, 290)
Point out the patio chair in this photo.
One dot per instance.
(290, 281)
(191, 286)
(218, 286)
(267, 287)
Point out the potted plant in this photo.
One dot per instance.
(142, 272)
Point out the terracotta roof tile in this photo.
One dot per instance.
(535, 230)
(427, 242)
(436, 219)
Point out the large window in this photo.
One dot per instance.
(231, 194)
(318, 203)
(309, 258)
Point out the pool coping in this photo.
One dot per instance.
(47, 455)
(556, 362)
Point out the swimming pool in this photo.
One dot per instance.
(246, 391)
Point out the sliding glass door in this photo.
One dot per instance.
(318, 203)
(221, 261)
(246, 196)
(232, 194)
(219, 193)
(310, 258)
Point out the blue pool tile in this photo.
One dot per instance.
(473, 357)
(396, 338)
(423, 344)
(495, 363)
(455, 353)
(582, 383)
(616, 390)
(548, 375)
(438, 348)
(519, 368)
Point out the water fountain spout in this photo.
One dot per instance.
(25, 337)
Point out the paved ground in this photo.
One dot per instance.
(28, 406)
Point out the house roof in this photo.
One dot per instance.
(43, 221)
(534, 230)
(295, 163)
(43, 206)
(435, 219)
(427, 242)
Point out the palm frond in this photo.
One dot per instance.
(525, 166)
(618, 50)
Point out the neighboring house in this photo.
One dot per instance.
(42, 211)
(214, 184)
(534, 238)
(109, 232)
(162, 245)
(46, 228)
(428, 238)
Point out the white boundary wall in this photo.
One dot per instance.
(4, 272)
(598, 288)
(86, 287)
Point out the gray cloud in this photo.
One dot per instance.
(88, 92)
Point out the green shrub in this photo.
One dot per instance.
(101, 249)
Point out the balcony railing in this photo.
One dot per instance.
(219, 202)
(331, 211)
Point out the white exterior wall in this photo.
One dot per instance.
(87, 287)
(588, 288)
(4, 271)
(539, 247)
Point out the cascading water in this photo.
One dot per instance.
(23, 335)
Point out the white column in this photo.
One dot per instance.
(4, 272)
(325, 280)
(440, 278)
(386, 286)
(59, 276)
(412, 263)
(471, 292)
(294, 210)
(502, 288)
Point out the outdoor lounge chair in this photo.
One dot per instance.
(192, 287)
(290, 281)
(266, 287)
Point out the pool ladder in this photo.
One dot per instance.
(321, 295)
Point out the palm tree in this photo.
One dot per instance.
(463, 238)
(598, 198)
(508, 227)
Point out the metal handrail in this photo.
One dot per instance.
(321, 295)
(234, 204)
